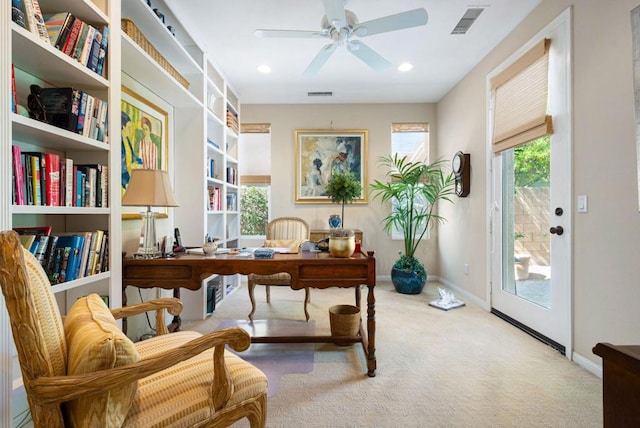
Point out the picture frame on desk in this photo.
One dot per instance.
(318, 153)
(144, 143)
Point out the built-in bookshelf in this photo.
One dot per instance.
(27, 58)
(204, 147)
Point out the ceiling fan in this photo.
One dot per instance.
(340, 25)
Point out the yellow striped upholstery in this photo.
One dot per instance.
(96, 343)
(292, 244)
(187, 402)
(50, 326)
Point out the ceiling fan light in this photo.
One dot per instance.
(405, 66)
(264, 68)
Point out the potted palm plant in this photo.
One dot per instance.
(342, 187)
(413, 189)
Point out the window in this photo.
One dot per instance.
(410, 139)
(255, 178)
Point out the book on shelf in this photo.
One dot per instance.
(49, 255)
(33, 160)
(82, 37)
(94, 51)
(35, 20)
(68, 183)
(102, 54)
(28, 183)
(14, 95)
(17, 13)
(18, 173)
(41, 250)
(55, 24)
(67, 25)
(27, 240)
(62, 106)
(52, 179)
(73, 244)
(72, 37)
(86, 46)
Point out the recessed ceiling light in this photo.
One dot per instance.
(405, 66)
(264, 68)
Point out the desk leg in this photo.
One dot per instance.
(371, 332)
(177, 321)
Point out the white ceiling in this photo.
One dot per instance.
(225, 29)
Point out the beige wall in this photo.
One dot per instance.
(606, 289)
(377, 119)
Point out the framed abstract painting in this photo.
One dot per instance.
(320, 153)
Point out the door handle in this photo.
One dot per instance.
(557, 230)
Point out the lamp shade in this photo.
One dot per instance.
(149, 187)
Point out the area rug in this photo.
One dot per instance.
(277, 359)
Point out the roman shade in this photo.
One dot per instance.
(520, 94)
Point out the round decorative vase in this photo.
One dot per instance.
(334, 221)
(407, 282)
(342, 246)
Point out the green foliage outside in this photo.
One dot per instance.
(254, 215)
(532, 163)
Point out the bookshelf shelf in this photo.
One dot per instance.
(27, 129)
(49, 64)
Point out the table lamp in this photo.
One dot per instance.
(149, 187)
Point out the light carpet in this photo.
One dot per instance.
(458, 368)
(277, 359)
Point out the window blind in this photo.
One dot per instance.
(520, 97)
(410, 127)
(255, 180)
(255, 128)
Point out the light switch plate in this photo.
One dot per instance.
(582, 203)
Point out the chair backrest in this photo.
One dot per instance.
(288, 228)
(35, 319)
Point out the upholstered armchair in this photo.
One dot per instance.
(84, 372)
(281, 232)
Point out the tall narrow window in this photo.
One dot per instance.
(255, 178)
(410, 139)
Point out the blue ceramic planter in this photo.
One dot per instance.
(407, 282)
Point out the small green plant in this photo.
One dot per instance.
(519, 235)
(343, 187)
(410, 264)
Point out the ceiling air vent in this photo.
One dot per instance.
(320, 94)
(467, 20)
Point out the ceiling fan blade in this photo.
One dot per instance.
(290, 34)
(399, 21)
(334, 10)
(368, 55)
(319, 60)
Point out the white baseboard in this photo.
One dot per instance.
(587, 364)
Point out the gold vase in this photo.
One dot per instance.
(342, 246)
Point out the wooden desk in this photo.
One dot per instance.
(307, 269)
(317, 234)
(620, 384)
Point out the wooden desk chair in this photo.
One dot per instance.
(281, 232)
(84, 372)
